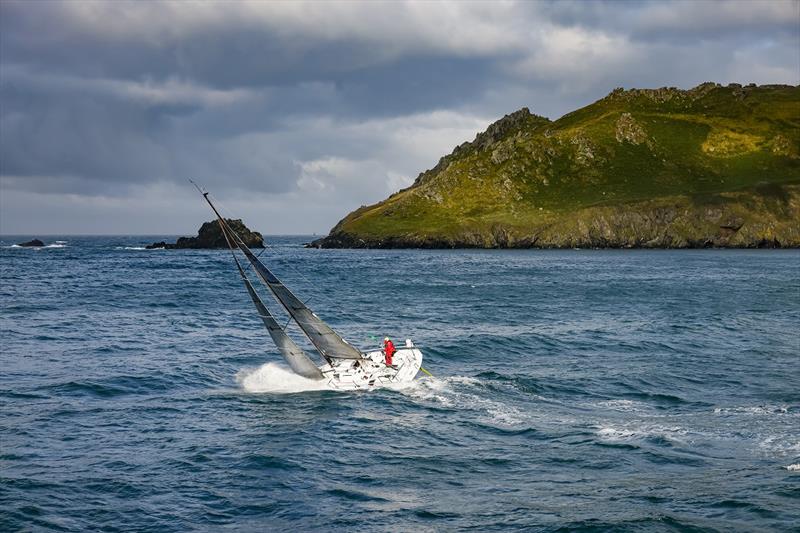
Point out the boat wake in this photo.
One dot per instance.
(466, 394)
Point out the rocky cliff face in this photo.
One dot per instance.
(709, 166)
(210, 236)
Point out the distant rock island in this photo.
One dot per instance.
(711, 166)
(35, 243)
(210, 236)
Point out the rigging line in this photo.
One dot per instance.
(314, 286)
(243, 247)
(238, 265)
(267, 245)
(286, 297)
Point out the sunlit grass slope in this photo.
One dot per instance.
(710, 166)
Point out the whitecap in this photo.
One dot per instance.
(639, 432)
(753, 410)
(780, 444)
(793, 468)
(618, 405)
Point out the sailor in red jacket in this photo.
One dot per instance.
(388, 349)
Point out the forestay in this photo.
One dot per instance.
(292, 353)
(329, 343)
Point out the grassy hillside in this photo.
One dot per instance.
(665, 167)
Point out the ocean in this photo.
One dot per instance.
(582, 390)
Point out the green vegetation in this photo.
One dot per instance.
(710, 166)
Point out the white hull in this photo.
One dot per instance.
(372, 372)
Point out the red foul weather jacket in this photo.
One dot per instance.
(389, 348)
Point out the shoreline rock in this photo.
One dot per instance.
(35, 243)
(210, 237)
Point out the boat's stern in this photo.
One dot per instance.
(372, 371)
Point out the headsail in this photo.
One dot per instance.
(329, 343)
(292, 353)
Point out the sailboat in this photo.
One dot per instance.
(345, 367)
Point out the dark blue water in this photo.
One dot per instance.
(594, 390)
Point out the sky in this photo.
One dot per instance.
(292, 114)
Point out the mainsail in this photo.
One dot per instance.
(329, 343)
(292, 353)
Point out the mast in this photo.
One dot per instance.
(329, 343)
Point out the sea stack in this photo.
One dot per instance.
(209, 236)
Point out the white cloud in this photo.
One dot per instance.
(575, 56)
(454, 27)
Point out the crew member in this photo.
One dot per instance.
(388, 350)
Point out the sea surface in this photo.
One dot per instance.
(576, 390)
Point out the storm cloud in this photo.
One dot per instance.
(295, 113)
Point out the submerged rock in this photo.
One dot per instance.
(34, 243)
(210, 237)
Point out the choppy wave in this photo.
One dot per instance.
(592, 391)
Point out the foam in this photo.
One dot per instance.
(793, 468)
(454, 391)
(633, 432)
(753, 410)
(275, 379)
(781, 444)
(619, 405)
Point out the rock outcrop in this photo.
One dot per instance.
(35, 243)
(210, 236)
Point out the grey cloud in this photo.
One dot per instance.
(682, 21)
(324, 106)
